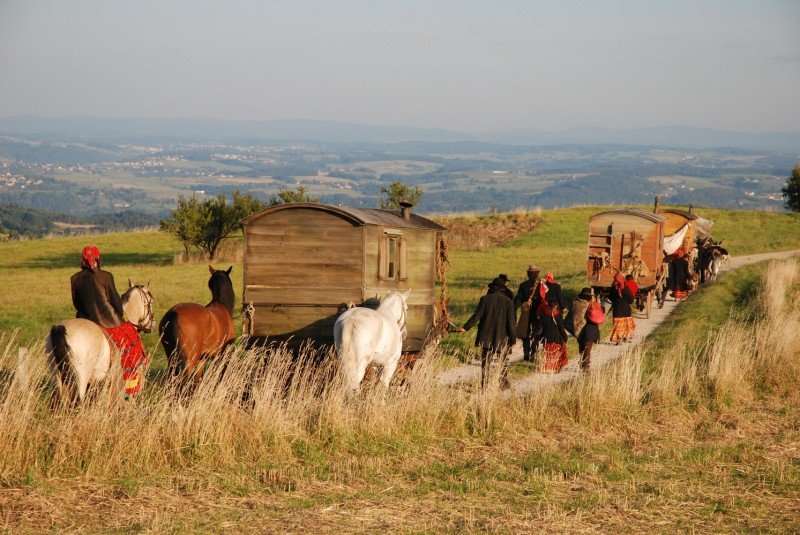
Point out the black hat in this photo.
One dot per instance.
(496, 283)
(588, 293)
(503, 277)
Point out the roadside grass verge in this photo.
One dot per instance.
(702, 438)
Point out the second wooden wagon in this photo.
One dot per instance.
(305, 263)
(626, 241)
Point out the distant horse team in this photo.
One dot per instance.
(711, 256)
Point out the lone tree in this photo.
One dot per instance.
(286, 196)
(398, 192)
(791, 191)
(204, 224)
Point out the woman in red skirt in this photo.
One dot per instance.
(555, 338)
(621, 300)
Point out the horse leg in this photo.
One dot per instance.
(388, 370)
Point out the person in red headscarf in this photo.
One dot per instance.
(95, 298)
(94, 294)
(546, 290)
(679, 279)
(621, 299)
(555, 338)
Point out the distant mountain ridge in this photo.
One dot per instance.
(142, 130)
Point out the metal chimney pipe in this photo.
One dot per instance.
(655, 208)
(405, 210)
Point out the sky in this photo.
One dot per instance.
(467, 66)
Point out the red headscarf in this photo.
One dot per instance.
(90, 257)
(619, 283)
(680, 253)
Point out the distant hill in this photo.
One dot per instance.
(670, 136)
(17, 221)
(142, 130)
(212, 130)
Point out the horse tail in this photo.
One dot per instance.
(62, 370)
(170, 340)
(345, 341)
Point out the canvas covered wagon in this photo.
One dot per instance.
(305, 263)
(627, 241)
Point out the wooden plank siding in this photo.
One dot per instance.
(303, 265)
(621, 227)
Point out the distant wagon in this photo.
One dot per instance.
(630, 242)
(305, 263)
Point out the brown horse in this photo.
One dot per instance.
(192, 333)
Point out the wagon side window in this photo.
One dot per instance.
(392, 255)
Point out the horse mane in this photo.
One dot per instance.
(127, 295)
(222, 290)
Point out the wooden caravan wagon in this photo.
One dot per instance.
(305, 263)
(627, 241)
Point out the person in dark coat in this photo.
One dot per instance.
(550, 292)
(679, 277)
(523, 300)
(496, 330)
(586, 332)
(544, 291)
(94, 294)
(621, 300)
(555, 337)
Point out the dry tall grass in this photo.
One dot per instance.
(476, 232)
(263, 409)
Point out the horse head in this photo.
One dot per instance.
(137, 302)
(221, 287)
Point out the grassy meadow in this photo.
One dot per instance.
(695, 431)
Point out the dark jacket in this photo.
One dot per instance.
(95, 297)
(621, 304)
(553, 329)
(496, 321)
(524, 292)
(585, 330)
(678, 274)
(505, 291)
(553, 294)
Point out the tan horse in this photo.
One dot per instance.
(81, 354)
(192, 333)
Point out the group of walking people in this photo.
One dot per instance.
(539, 317)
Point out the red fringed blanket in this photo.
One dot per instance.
(126, 337)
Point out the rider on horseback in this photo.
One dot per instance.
(95, 298)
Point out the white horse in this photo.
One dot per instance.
(80, 352)
(364, 336)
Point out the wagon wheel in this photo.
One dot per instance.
(649, 304)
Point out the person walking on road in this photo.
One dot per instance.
(621, 300)
(523, 302)
(582, 322)
(496, 331)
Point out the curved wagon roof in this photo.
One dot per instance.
(683, 213)
(655, 218)
(357, 216)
